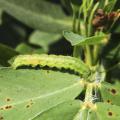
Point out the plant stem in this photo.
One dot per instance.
(76, 51)
(79, 23)
(74, 21)
(88, 95)
(90, 19)
(95, 54)
(88, 56)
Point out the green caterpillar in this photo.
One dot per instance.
(51, 61)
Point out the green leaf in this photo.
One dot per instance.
(85, 114)
(76, 39)
(63, 111)
(5, 54)
(107, 112)
(24, 94)
(110, 6)
(38, 14)
(71, 110)
(110, 93)
(44, 39)
(26, 49)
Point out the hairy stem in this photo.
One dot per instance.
(88, 95)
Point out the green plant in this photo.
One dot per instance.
(50, 90)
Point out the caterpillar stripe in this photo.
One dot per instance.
(58, 61)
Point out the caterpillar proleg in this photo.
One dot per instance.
(58, 61)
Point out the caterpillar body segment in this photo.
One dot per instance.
(58, 61)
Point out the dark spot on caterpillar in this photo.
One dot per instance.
(1, 118)
(28, 67)
(8, 107)
(63, 70)
(110, 113)
(113, 91)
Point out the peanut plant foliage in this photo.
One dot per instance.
(59, 60)
(30, 96)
